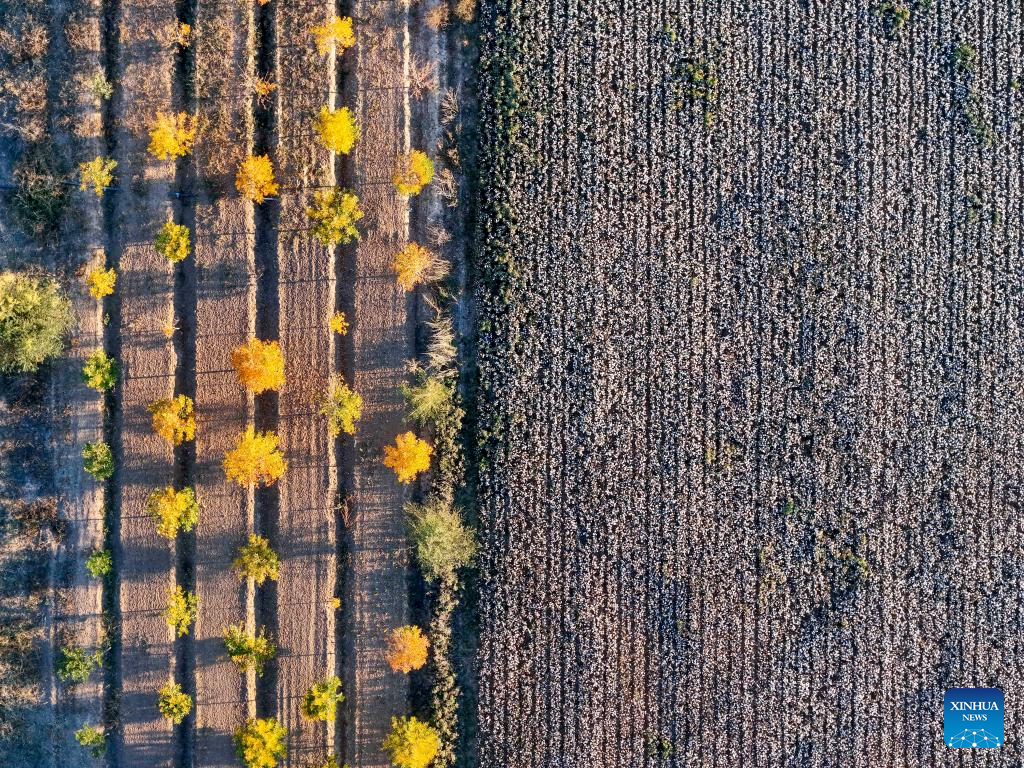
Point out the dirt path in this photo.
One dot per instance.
(383, 336)
(78, 409)
(305, 527)
(225, 318)
(146, 461)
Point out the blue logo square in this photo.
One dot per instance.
(972, 718)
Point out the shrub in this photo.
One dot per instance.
(182, 608)
(337, 32)
(415, 264)
(173, 242)
(339, 323)
(99, 86)
(40, 194)
(334, 213)
(407, 649)
(34, 316)
(98, 459)
(443, 543)
(259, 365)
(261, 742)
(92, 738)
(173, 510)
(101, 282)
(75, 664)
(322, 700)
(338, 129)
(256, 560)
(411, 743)
(255, 460)
(172, 136)
(248, 651)
(255, 178)
(97, 173)
(100, 371)
(173, 419)
(99, 564)
(408, 456)
(429, 397)
(174, 703)
(342, 407)
(413, 172)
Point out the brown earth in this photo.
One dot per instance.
(146, 462)
(78, 410)
(225, 317)
(304, 533)
(383, 340)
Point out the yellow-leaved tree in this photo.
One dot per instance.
(408, 456)
(101, 282)
(411, 743)
(96, 174)
(172, 136)
(339, 323)
(407, 649)
(173, 419)
(415, 264)
(334, 214)
(256, 459)
(255, 178)
(259, 365)
(261, 742)
(173, 242)
(173, 510)
(338, 129)
(413, 171)
(337, 32)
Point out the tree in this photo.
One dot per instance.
(256, 560)
(408, 456)
(260, 742)
(415, 264)
(173, 419)
(337, 32)
(255, 460)
(75, 664)
(98, 460)
(182, 608)
(99, 564)
(255, 178)
(173, 510)
(92, 738)
(411, 743)
(174, 703)
(97, 173)
(246, 650)
(338, 129)
(259, 365)
(430, 397)
(342, 406)
(443, 543)
(34, 317)
(339, 324)
(101, 282)
(173, 242)
(100, 371)
(407, 649)
(172, 136)
(413, 172)
(334, 214)
(321, 701)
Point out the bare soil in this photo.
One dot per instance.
(145, 561)
(383, 340)
(225, 278)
